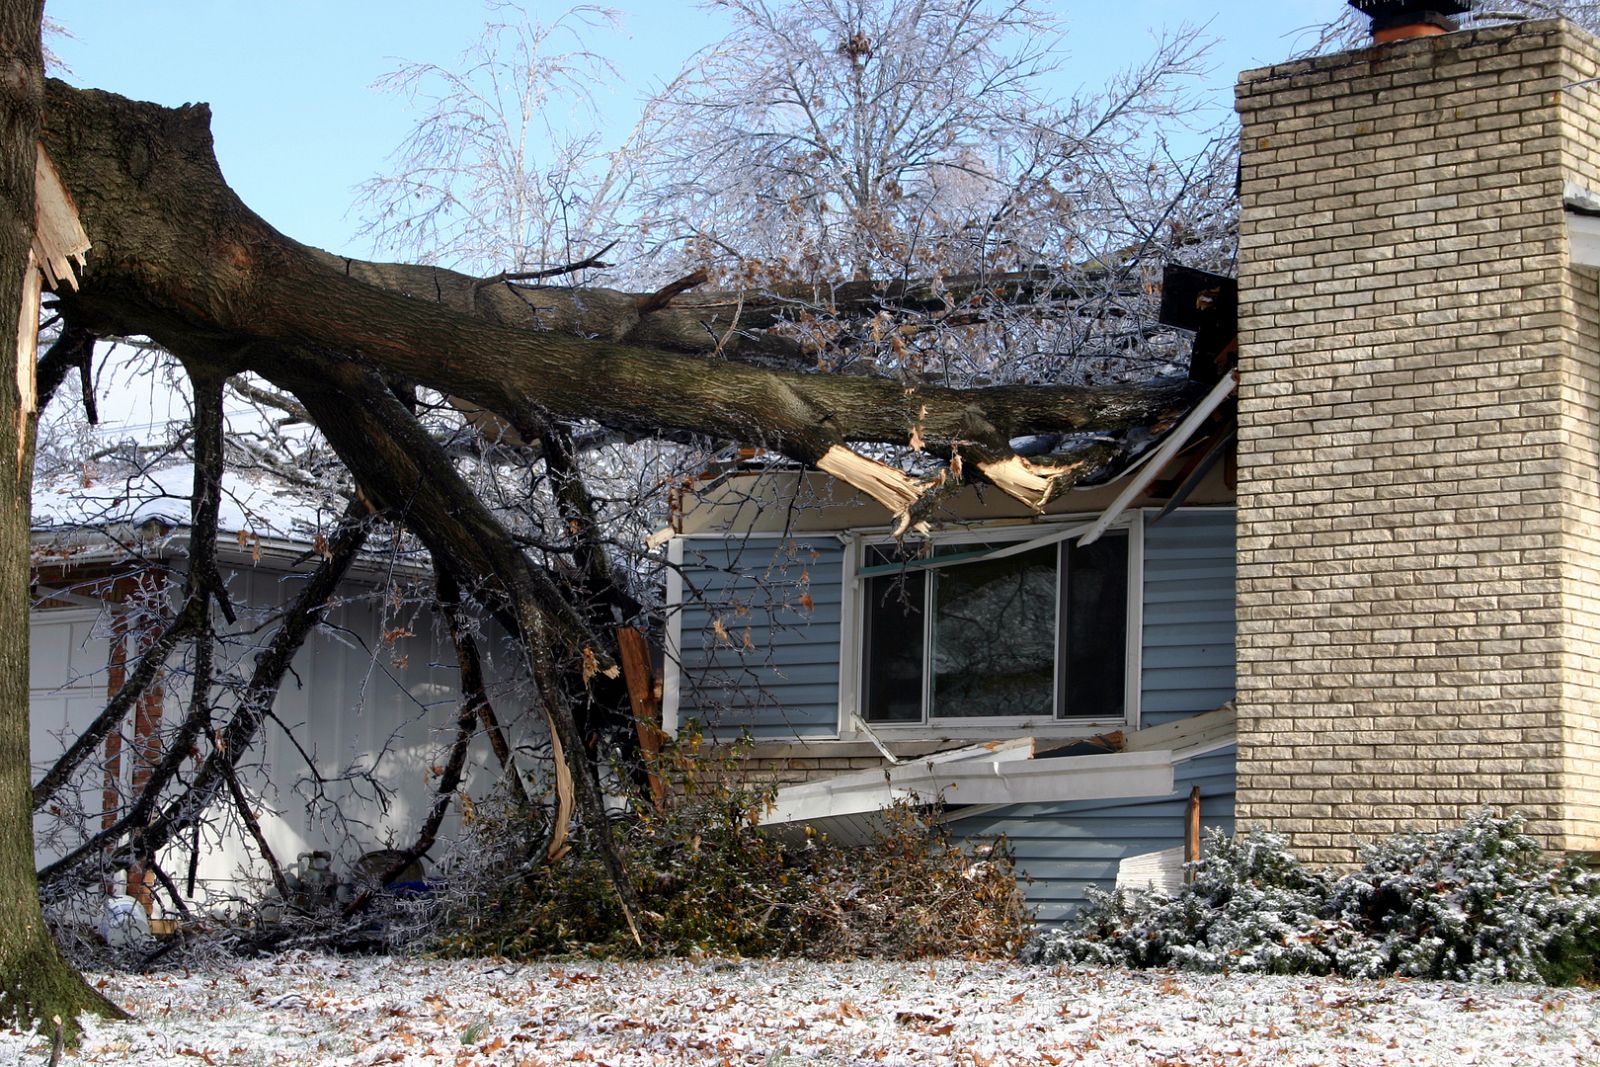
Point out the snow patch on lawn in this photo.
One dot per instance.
(312, 1009)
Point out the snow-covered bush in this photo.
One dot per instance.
(1252, 906)
(1477, 902)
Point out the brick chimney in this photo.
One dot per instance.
(1419, 440)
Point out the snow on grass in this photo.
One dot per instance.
(313, 1009)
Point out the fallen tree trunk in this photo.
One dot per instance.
(764, 328)
(180, 259)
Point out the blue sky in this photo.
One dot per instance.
(298, 127)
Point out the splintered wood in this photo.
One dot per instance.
(58, 236)
(1033, 484)
(561, 826)
(27, 356)
(636, 671)
(1030, 483)
(892, 488)
(58, 239)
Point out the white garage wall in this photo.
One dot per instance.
(349, 765)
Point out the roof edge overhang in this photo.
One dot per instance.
(1000, 773)
(1583, 224)
(1114, 775)
(157, 541)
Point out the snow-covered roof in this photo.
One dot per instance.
(251, 504)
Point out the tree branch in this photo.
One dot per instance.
(241, 804)
(473, 702)
(549, 272)
(235, 278)
(202, 583)
(650, 303)
(74, 347)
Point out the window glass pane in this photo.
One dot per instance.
(893, 650)
(1094, 632)
(994, 637)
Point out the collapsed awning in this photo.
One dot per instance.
(1000, 773)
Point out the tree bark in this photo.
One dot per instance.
(403, 469)
(35, 982)
(179, 258)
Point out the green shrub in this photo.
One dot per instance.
(1249, 908)
(1477, 902)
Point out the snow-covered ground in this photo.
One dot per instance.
(312, 1009)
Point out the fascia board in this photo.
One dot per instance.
(1111, 776)
(1583, 238)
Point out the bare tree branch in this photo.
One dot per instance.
(587, 263)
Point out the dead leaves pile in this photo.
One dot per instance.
(305, 1009)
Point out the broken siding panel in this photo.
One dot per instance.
(760, 636)
(1187, 665)
(1066, 848)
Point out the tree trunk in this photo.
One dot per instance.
(35, 981)
(180, 259)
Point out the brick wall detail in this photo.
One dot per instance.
(1419, 490)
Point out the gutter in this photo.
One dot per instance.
(1014, 781)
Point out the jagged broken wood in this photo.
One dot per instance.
(58, 240)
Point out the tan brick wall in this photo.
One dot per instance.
(1580, 381)
(1417, 562)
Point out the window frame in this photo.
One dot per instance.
(852, 681)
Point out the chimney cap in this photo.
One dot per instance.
(1390, 14)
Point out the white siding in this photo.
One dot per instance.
(348, 763)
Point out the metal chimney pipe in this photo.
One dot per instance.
(1400, 20)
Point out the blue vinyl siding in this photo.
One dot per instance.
(1188, 657)
(1186, 668)
(777, 670)
(1063, 849)
(777, 673)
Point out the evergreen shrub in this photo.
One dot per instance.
(1478, 902)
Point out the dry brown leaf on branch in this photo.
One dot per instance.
(591, 666)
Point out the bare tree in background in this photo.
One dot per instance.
(830, 141)
(502, 171)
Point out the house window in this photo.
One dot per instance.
(1035, 635)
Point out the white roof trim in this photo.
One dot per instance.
(1008, 777)
(1159, 458)
(1580, 198)
(998, 773)
(1194, 735)
(1583, 225)
(1583, 238)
